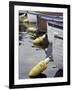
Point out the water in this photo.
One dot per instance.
(30, 55)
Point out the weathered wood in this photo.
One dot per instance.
(42, 24)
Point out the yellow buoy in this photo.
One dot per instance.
(32, 29)
(39, 39)
(26, 24)
(26, 20)
(40, 67)
(21, 18)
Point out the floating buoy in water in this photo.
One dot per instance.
(32, 29)
(26, 20)
(39, 40)
(40, 67)
(26, 24)
(21, 18)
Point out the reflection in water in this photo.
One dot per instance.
(22, 28)
(41, 75)
(48, 51)
(39, 33)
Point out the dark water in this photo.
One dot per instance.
(30, 55)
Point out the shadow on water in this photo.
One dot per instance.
(41, 75)
(59, 73)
